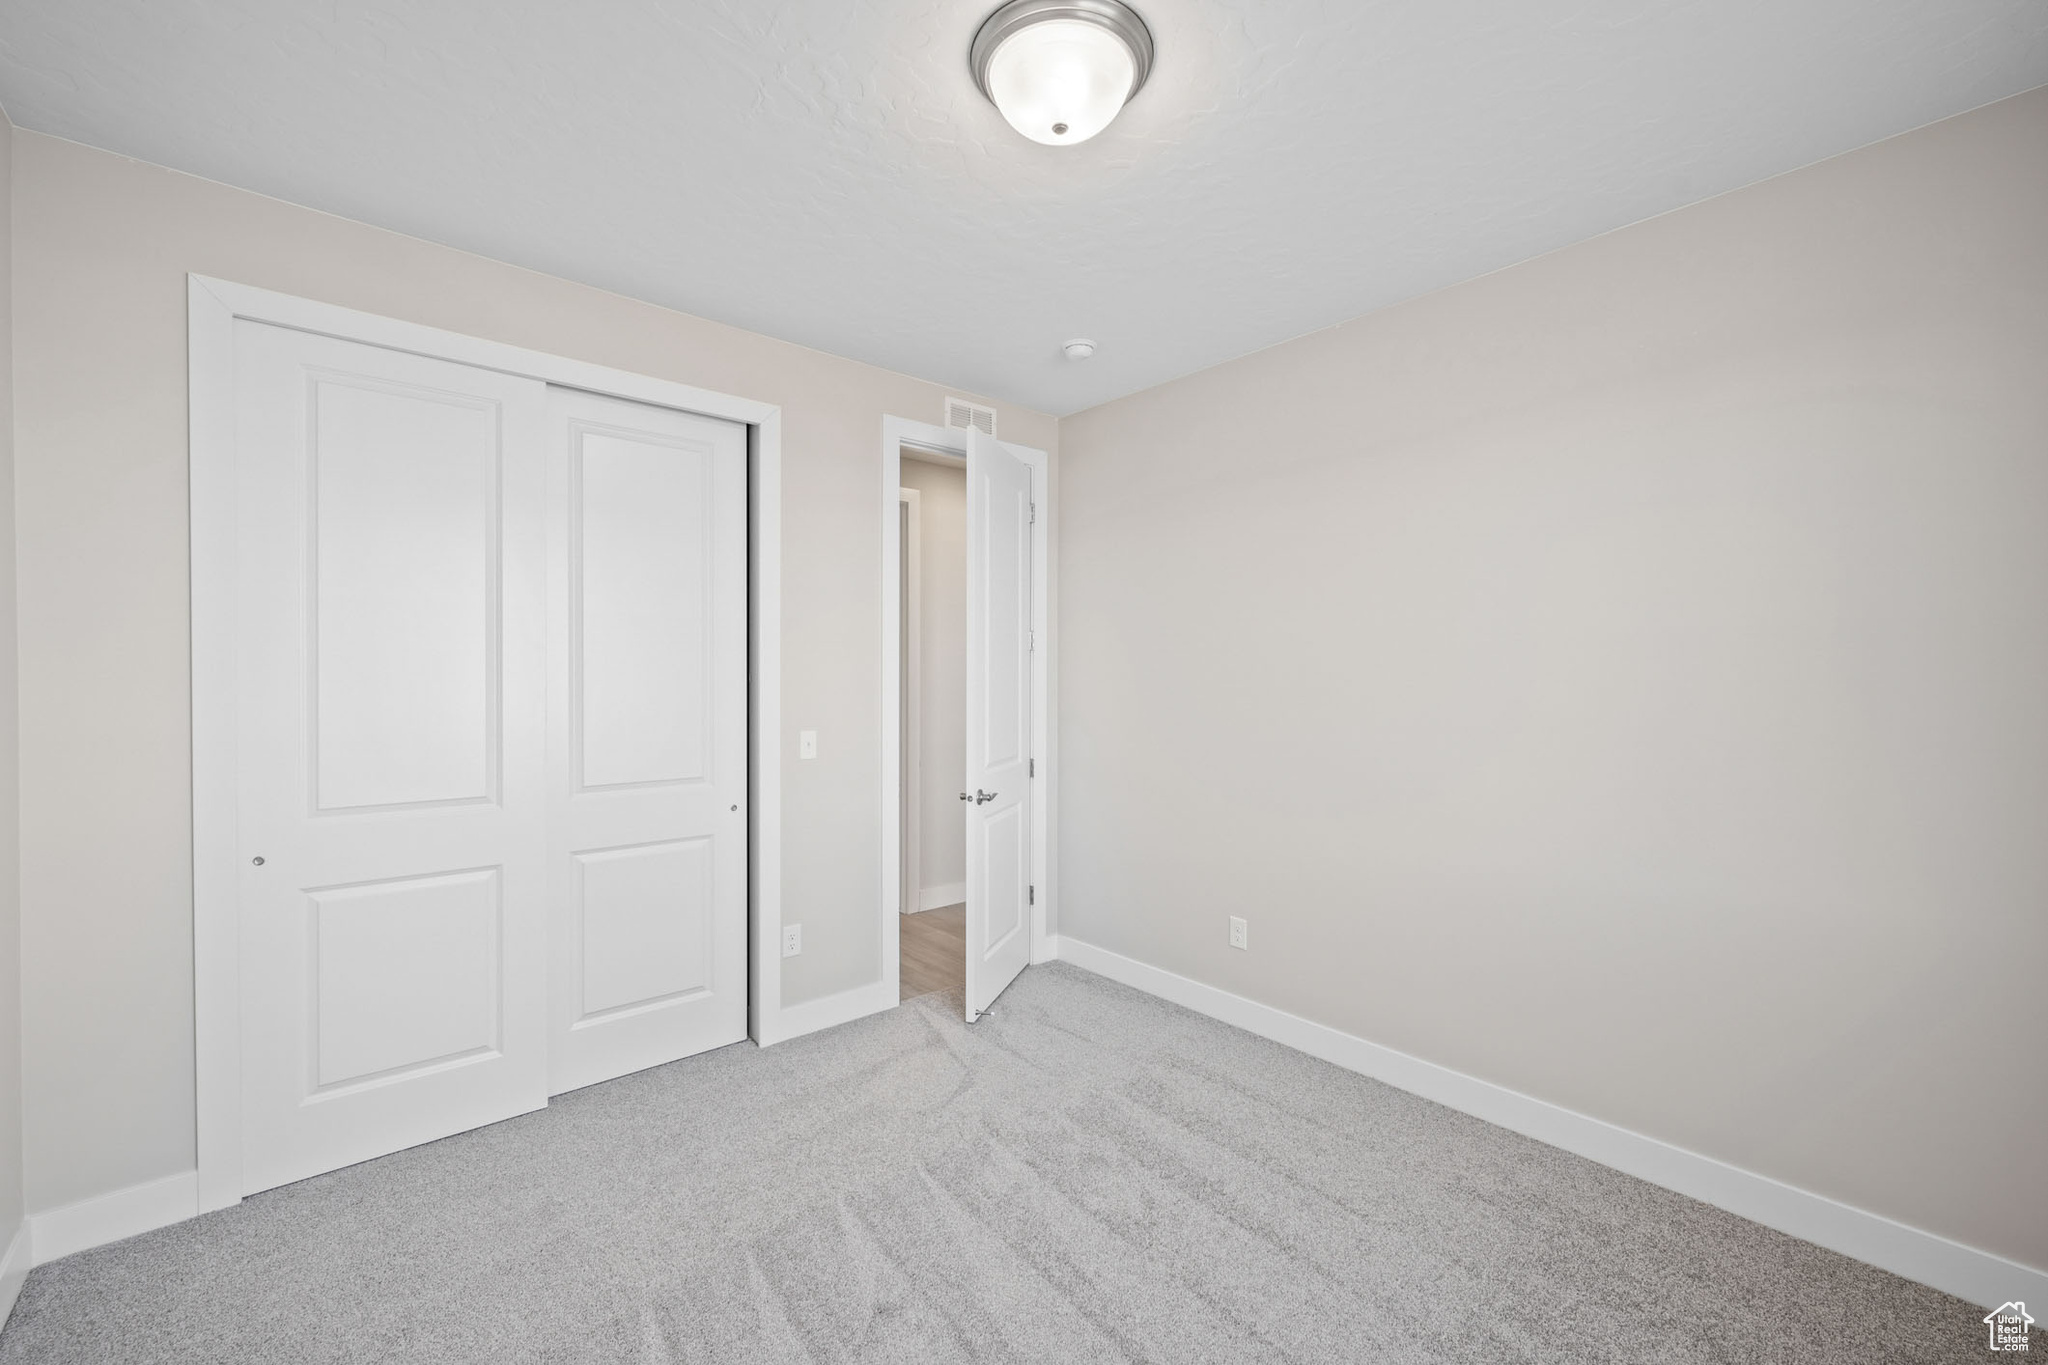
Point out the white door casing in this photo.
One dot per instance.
(997, 803)
(391, 795)
(647, 765)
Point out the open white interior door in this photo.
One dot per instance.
(999, 643)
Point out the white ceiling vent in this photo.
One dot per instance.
(963, 414)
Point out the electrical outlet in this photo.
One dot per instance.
(807, 744)
(1237, 931)
(792, 939)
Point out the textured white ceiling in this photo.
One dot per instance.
(825, 171)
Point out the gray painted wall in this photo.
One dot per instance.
(943, 641)
(1623, 678)
(10, 734)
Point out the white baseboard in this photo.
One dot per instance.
(1977, 1276)
(830, 1011)
(159, 1203)
(111, 1217)
(14, 1268)
(940, 896)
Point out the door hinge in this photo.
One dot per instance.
(1034, 514)
(1032, 770)
(1034, 897)
(1030, 641)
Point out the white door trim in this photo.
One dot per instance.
(898, 432)
(213, 308)
(111, 1217)
(912, 892)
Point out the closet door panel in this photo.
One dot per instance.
(391, 753)
(648, 777)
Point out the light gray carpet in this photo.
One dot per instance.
(1087, 1174)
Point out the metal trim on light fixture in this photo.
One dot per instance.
(1119, 18)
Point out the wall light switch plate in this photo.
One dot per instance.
(1237, 931)
(792, 939)
(807, 744)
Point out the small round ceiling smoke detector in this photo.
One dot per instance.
(1080, 348)
(1061, 70)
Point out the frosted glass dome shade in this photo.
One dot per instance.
(1061, 81)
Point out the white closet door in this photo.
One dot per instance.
(648, 736)
(998, 719)
(391, 749)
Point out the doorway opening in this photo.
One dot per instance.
(998, 790)
(932, 663)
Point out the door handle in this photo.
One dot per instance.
(981, 796)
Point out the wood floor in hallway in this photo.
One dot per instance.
(935, 951)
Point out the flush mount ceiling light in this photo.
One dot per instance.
(1060, 70)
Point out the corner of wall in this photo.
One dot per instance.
(13, 1228)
